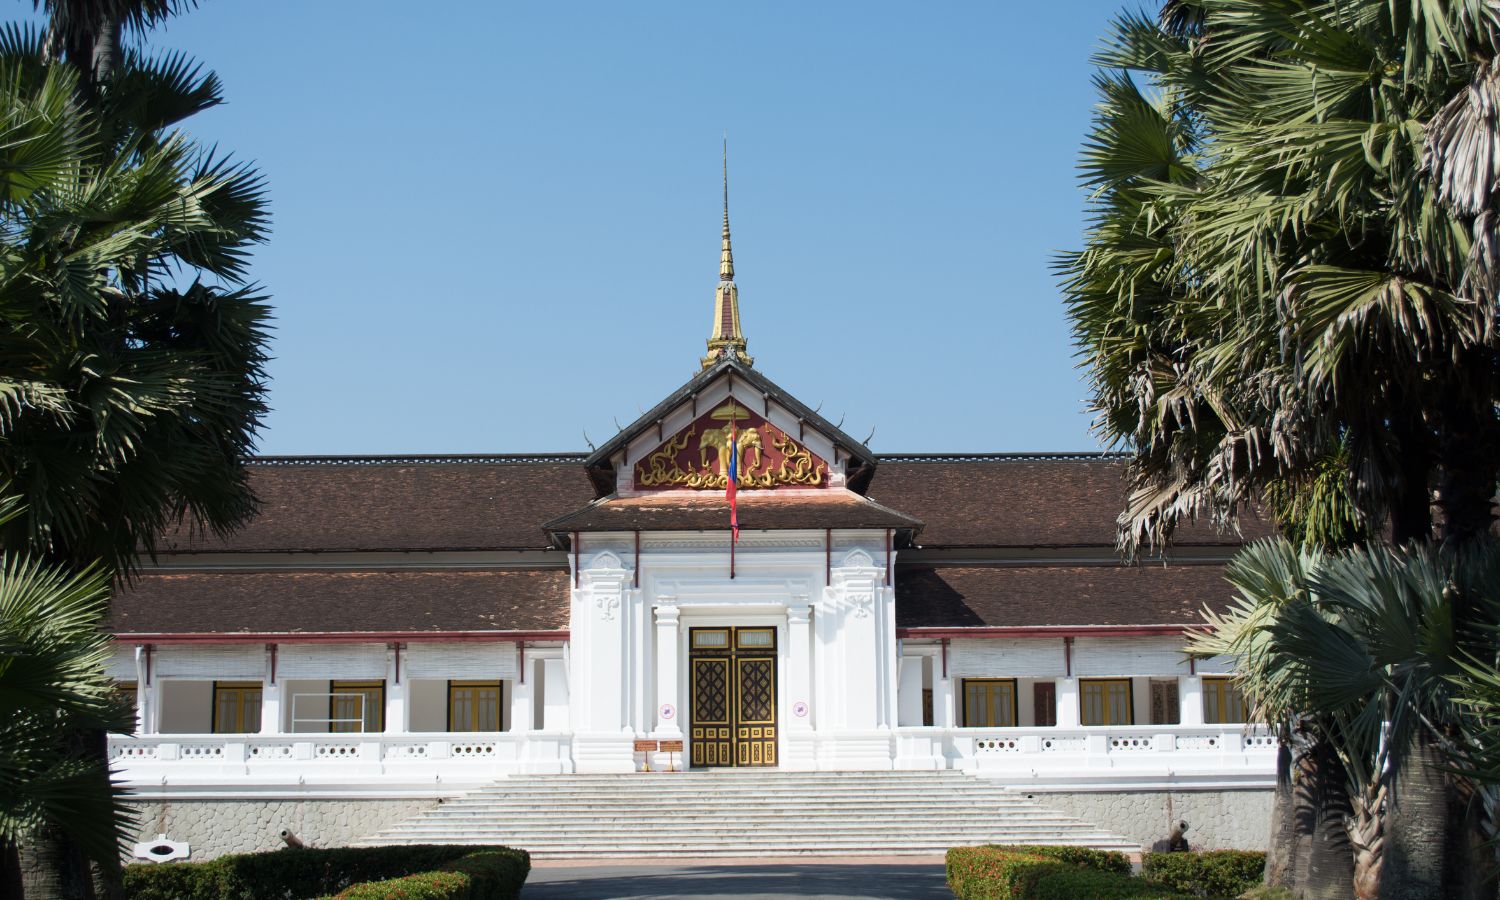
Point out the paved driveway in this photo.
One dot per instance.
(687, 881)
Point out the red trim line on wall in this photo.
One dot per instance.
(339, 637)
(1044, 631)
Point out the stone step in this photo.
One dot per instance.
(935, 813)
(766, 813)
(617, 849)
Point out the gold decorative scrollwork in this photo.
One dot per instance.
(661, 467)
(664, 468)
(797, 464)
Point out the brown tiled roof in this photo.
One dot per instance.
(709, 511)
(1018, 502)
(1005, 596)
(330, 601)
(353, 505)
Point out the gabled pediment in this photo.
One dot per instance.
(683, 443)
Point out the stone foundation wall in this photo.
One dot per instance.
(216, 827)
(1217, 820)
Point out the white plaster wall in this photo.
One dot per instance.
(1217, 820)
(216, 827)
(429, 704)
(186, 707)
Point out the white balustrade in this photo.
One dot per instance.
(1166, 754)
(344, 761)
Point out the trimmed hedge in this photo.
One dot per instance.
(1212, 873)
(1088, 857)
(495, 874)
(997, 872)
(1060, 881)
(295, 873)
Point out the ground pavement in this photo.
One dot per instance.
(875, 878)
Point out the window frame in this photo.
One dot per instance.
(497, 683)
(1015, 712)
(242, 688)
(1040, 687)
(353, 686)
(1222, 686)
(1083, 684)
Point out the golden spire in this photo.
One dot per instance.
(725, 338)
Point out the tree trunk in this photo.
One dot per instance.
(1324, 861)
(1471, 870)
(10, 869)
(1281, 850)
(53, 869)
(1367, 837)
(1417, 826)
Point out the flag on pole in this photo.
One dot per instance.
(731, 486)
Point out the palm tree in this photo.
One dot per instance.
(1367, 638)
(131, 351)
(132, 347)
(1288, 274)
(53, 685)
(1286, 299)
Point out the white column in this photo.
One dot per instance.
(944, 713)
(910, 691)
(1190, 698)
(397, 694)
(799, 665)
(555, 695)
(142, 693)
(1068, 709)
(270, 698)
(522, 691)
(667, 717)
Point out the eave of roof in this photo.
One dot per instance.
(692, 511)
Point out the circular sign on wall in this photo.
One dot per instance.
(799, 709)
(667, 711)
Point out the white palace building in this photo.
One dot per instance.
(392, 635)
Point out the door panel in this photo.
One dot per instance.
(710, 731)
(733, 691)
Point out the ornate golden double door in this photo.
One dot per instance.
(733, 721)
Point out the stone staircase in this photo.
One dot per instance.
(745, 813)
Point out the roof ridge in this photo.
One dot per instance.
(571, 457)
(1002, 457)
(417, 459)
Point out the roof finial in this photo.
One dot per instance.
(726, 255)
(725, 339)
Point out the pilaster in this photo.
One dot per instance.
(667, 718)
(1190, 699)
(397, 696)
(270, 698)
(1068, 710)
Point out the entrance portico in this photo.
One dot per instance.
(818, 601)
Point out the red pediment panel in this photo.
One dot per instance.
(697, 457)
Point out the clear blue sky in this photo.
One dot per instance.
(496, 224)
